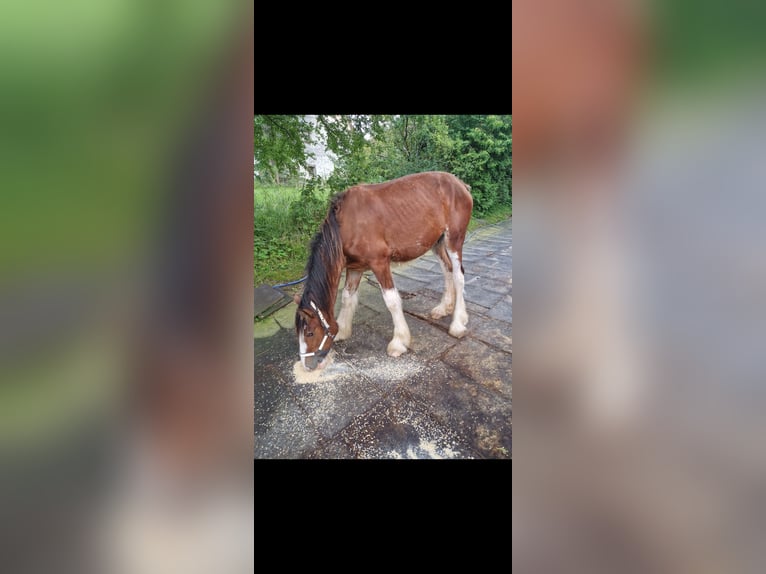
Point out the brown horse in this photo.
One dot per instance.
(368, 226)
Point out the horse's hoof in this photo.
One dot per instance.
(457, 330)
(343, 335)
(396, 348)
(441, 311)
(438, 313)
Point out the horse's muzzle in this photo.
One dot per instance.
(311, 363)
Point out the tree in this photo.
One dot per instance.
(483, 157)
(279, 141)
(278, 144)
(373, 148)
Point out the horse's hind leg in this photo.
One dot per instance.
(454, 243)
(447, 304)
(349, 300)
(401, 339)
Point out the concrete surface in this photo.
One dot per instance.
(445, 398)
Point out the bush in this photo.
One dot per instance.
(308, 211)
(483, 158)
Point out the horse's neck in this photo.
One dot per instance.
(334, 280)
(328, 307)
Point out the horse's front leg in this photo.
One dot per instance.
(349, 301)
(401, 340)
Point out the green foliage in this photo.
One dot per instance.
(370, 149)
(278, 144)
(285, 220)
(308, 211)
(704, 43)
(478, 149)
(414, 144)
(277, 251)
(483, 158)
(499, 213)
(279, 141)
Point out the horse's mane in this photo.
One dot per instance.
(325, 260)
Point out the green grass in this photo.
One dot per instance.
(274, 197)
(280, 247)
(283, 229)
(498, 214)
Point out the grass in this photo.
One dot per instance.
(498, 214)
(283, 228)
(280, 249)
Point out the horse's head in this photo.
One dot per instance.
(315, 335)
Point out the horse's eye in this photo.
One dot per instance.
(311, 334)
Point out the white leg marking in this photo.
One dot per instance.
(460, 316)
(401, 340)
(447, 304)
(346, 315)
(302, 347)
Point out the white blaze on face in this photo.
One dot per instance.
(302, 347)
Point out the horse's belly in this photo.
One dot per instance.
(407, 250)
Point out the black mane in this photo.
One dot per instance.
(324, 264)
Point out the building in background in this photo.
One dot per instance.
(321, 161)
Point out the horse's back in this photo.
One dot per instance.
(403, 217)
(419, 193)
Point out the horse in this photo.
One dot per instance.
(367, 226)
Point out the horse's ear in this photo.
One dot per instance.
(297, 299)
(307, 313)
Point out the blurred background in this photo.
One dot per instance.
(641, 268)
(125, 275)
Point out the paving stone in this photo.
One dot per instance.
(502, 287)
(466, 407)
(285, 317)
(330, 449)
(388, 373)
(423, 265)
(286, 434)
(430, 278)
(362, 314)
(503, 310)
(422, 303)
(270, 394)
(445, 398)
(331, 404)
(279, 351)
(470, 306)
(403, 283)
(493, 332)
(400, 427)
(428, 342)
(368, 339)
(485, 272)
(476, 293)
(485, 365)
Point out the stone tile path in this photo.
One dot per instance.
(445, 398)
